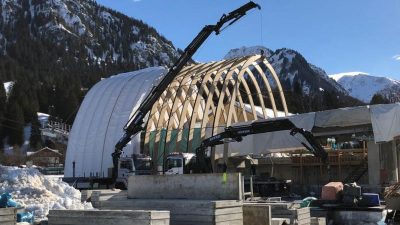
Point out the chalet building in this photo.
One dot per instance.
(45, 157)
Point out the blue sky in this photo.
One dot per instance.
(336, 35)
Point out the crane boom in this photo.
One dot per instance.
(134, 125)
(236, 133)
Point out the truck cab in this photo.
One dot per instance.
(135, 165)
(180, 163)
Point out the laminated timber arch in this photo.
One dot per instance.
(205, 98)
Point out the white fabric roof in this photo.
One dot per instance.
(101, 117)
(385, 120)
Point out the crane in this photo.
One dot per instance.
(134, 124)
(236, 133)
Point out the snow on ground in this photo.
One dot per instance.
(43, 119)
(37, 193)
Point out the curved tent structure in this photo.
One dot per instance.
(101, 117)
(201, 101)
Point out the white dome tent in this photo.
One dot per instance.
(101, 117)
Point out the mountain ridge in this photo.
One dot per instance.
(364, 86)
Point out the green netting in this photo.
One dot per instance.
(184, 141)
(172, 143)
(161, 146)
(171, 146)
(196, 139)
(152, 140)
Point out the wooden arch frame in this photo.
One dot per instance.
(209, 97)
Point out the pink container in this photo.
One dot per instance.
(331, 191)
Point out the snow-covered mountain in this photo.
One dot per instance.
(90, 32)
(293, 69)
(363, 86)
(243, 51)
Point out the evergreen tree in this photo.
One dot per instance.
(379, 99)
(3, 99)
(35, 138)
(14, 124)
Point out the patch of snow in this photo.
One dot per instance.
(306, 88)
(135, 30)
(43, 119)
(8, 87)
(349, 74)
(107, 16)
(37, 193)
(72, 20)
(164, 57)
(245, 51)
(138, 46)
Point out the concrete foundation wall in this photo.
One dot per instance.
(187, 186)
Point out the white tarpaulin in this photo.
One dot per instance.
(385, 121)
(273, 141)
(343, 117)
(101, 117)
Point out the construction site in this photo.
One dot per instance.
(214, 144)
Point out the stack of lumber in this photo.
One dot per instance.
(392, 191)
(392, 196)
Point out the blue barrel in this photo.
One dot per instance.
(371, 199)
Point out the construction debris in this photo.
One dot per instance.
(392, 191)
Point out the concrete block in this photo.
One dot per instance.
(8, 216)
(256, 214)
(106, 217)
(187, 186)
(318, 212)
(182, 211)
(318, 221)
(280, 221)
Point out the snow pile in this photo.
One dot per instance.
(37, 193)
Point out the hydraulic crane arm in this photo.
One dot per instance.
(134, 125)
(236, 133)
